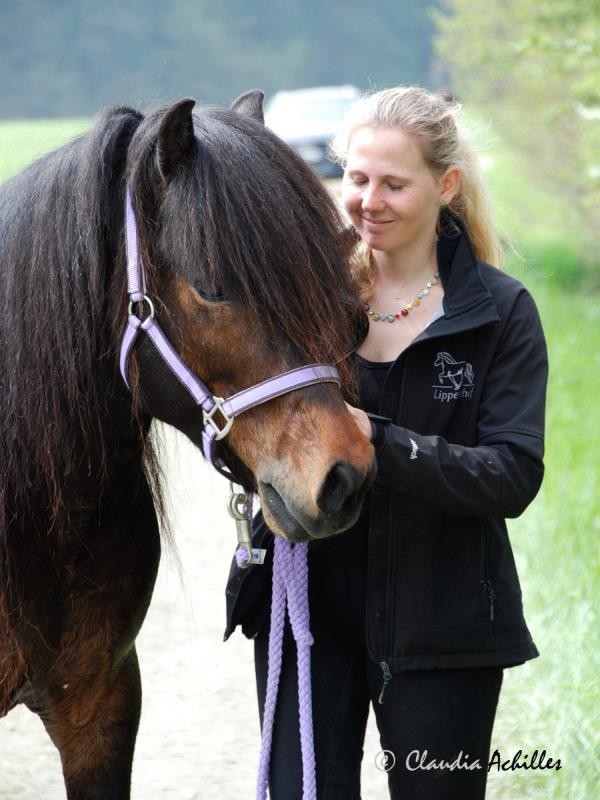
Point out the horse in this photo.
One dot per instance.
(245, 259)
(463, 371)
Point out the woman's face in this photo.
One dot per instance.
(392, 196)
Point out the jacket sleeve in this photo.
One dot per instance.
(502, 473)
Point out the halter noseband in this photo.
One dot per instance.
(203, 397)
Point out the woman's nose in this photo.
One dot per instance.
(372, 199)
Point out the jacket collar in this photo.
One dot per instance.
(467, 301)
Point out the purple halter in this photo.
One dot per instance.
(210, 404)
(290, 572)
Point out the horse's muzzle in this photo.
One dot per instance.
(337, 504)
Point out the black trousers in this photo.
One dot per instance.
(439, 716)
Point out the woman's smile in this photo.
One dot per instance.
(377, 221)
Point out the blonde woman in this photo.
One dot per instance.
(417, 609)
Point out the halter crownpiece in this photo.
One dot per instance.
(228, 408)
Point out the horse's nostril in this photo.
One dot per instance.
(342, 481)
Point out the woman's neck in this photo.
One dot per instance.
(406, 266)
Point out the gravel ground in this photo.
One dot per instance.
(199, 733)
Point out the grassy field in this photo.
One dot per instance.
(22, 141)
(553, 702)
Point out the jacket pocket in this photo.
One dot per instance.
(247, 590)
(441, 573)
(501, 582)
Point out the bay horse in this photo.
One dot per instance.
(245, 264)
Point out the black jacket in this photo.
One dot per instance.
(461, 452)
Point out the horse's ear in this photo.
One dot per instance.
(250, 104)
(176, 139)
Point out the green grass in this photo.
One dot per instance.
(22, 141)
(553, 702)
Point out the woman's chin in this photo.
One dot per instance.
(377, 241)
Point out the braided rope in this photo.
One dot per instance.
(297, 573)
(290, 588)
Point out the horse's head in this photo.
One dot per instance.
(247, 269)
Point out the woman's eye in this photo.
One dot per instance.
(395, 187)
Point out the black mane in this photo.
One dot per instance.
(60, 222)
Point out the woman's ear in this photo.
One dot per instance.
(450, 184)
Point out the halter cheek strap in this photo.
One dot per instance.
(230, 408)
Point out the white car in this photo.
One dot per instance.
(308, 119)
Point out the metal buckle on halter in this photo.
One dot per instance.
(207, 417)
(140, 302)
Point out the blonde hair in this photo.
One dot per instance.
(433, 121)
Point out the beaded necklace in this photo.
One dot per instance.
(377, 317)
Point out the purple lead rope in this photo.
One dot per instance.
(290, 590)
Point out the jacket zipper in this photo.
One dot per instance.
(491, 595)
(486, 582)
(387, 677)
(389, 595)
(389, 591)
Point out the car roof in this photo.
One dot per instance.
(345, 90)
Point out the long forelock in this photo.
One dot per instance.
(267, 234)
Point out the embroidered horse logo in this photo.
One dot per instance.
(454, 374)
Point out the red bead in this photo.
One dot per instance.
(404, 312)
(397, 316)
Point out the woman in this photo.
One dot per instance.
(417, 609)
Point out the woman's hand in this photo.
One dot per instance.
(362, 420)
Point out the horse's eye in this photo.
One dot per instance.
(212, 297)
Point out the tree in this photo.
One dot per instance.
(534, 66)
(71, 57)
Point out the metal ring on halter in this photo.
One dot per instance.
(207, 417)
(146, 299)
